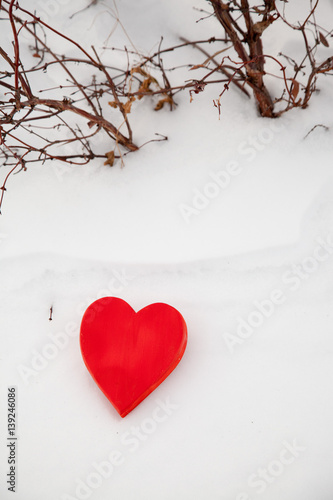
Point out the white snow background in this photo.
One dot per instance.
(248, 412)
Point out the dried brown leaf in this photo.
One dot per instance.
(323, 39)
(110, 158)
(113, 104)
(138, 69)
(144, 87)
(294, 88)
(128, 104)
(165, 100)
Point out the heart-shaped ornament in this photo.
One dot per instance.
(129, 354)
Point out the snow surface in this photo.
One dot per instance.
(251, 407)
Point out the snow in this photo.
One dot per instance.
(243, 398)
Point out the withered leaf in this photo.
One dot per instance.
(294, 88)
(144, 87)
(163, 101)
(138, 69)
(110, 158)
(113, 104)
(128, 104)
(323, 40)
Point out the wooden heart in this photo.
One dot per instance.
(129, 354)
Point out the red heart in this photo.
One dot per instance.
(129, 354)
